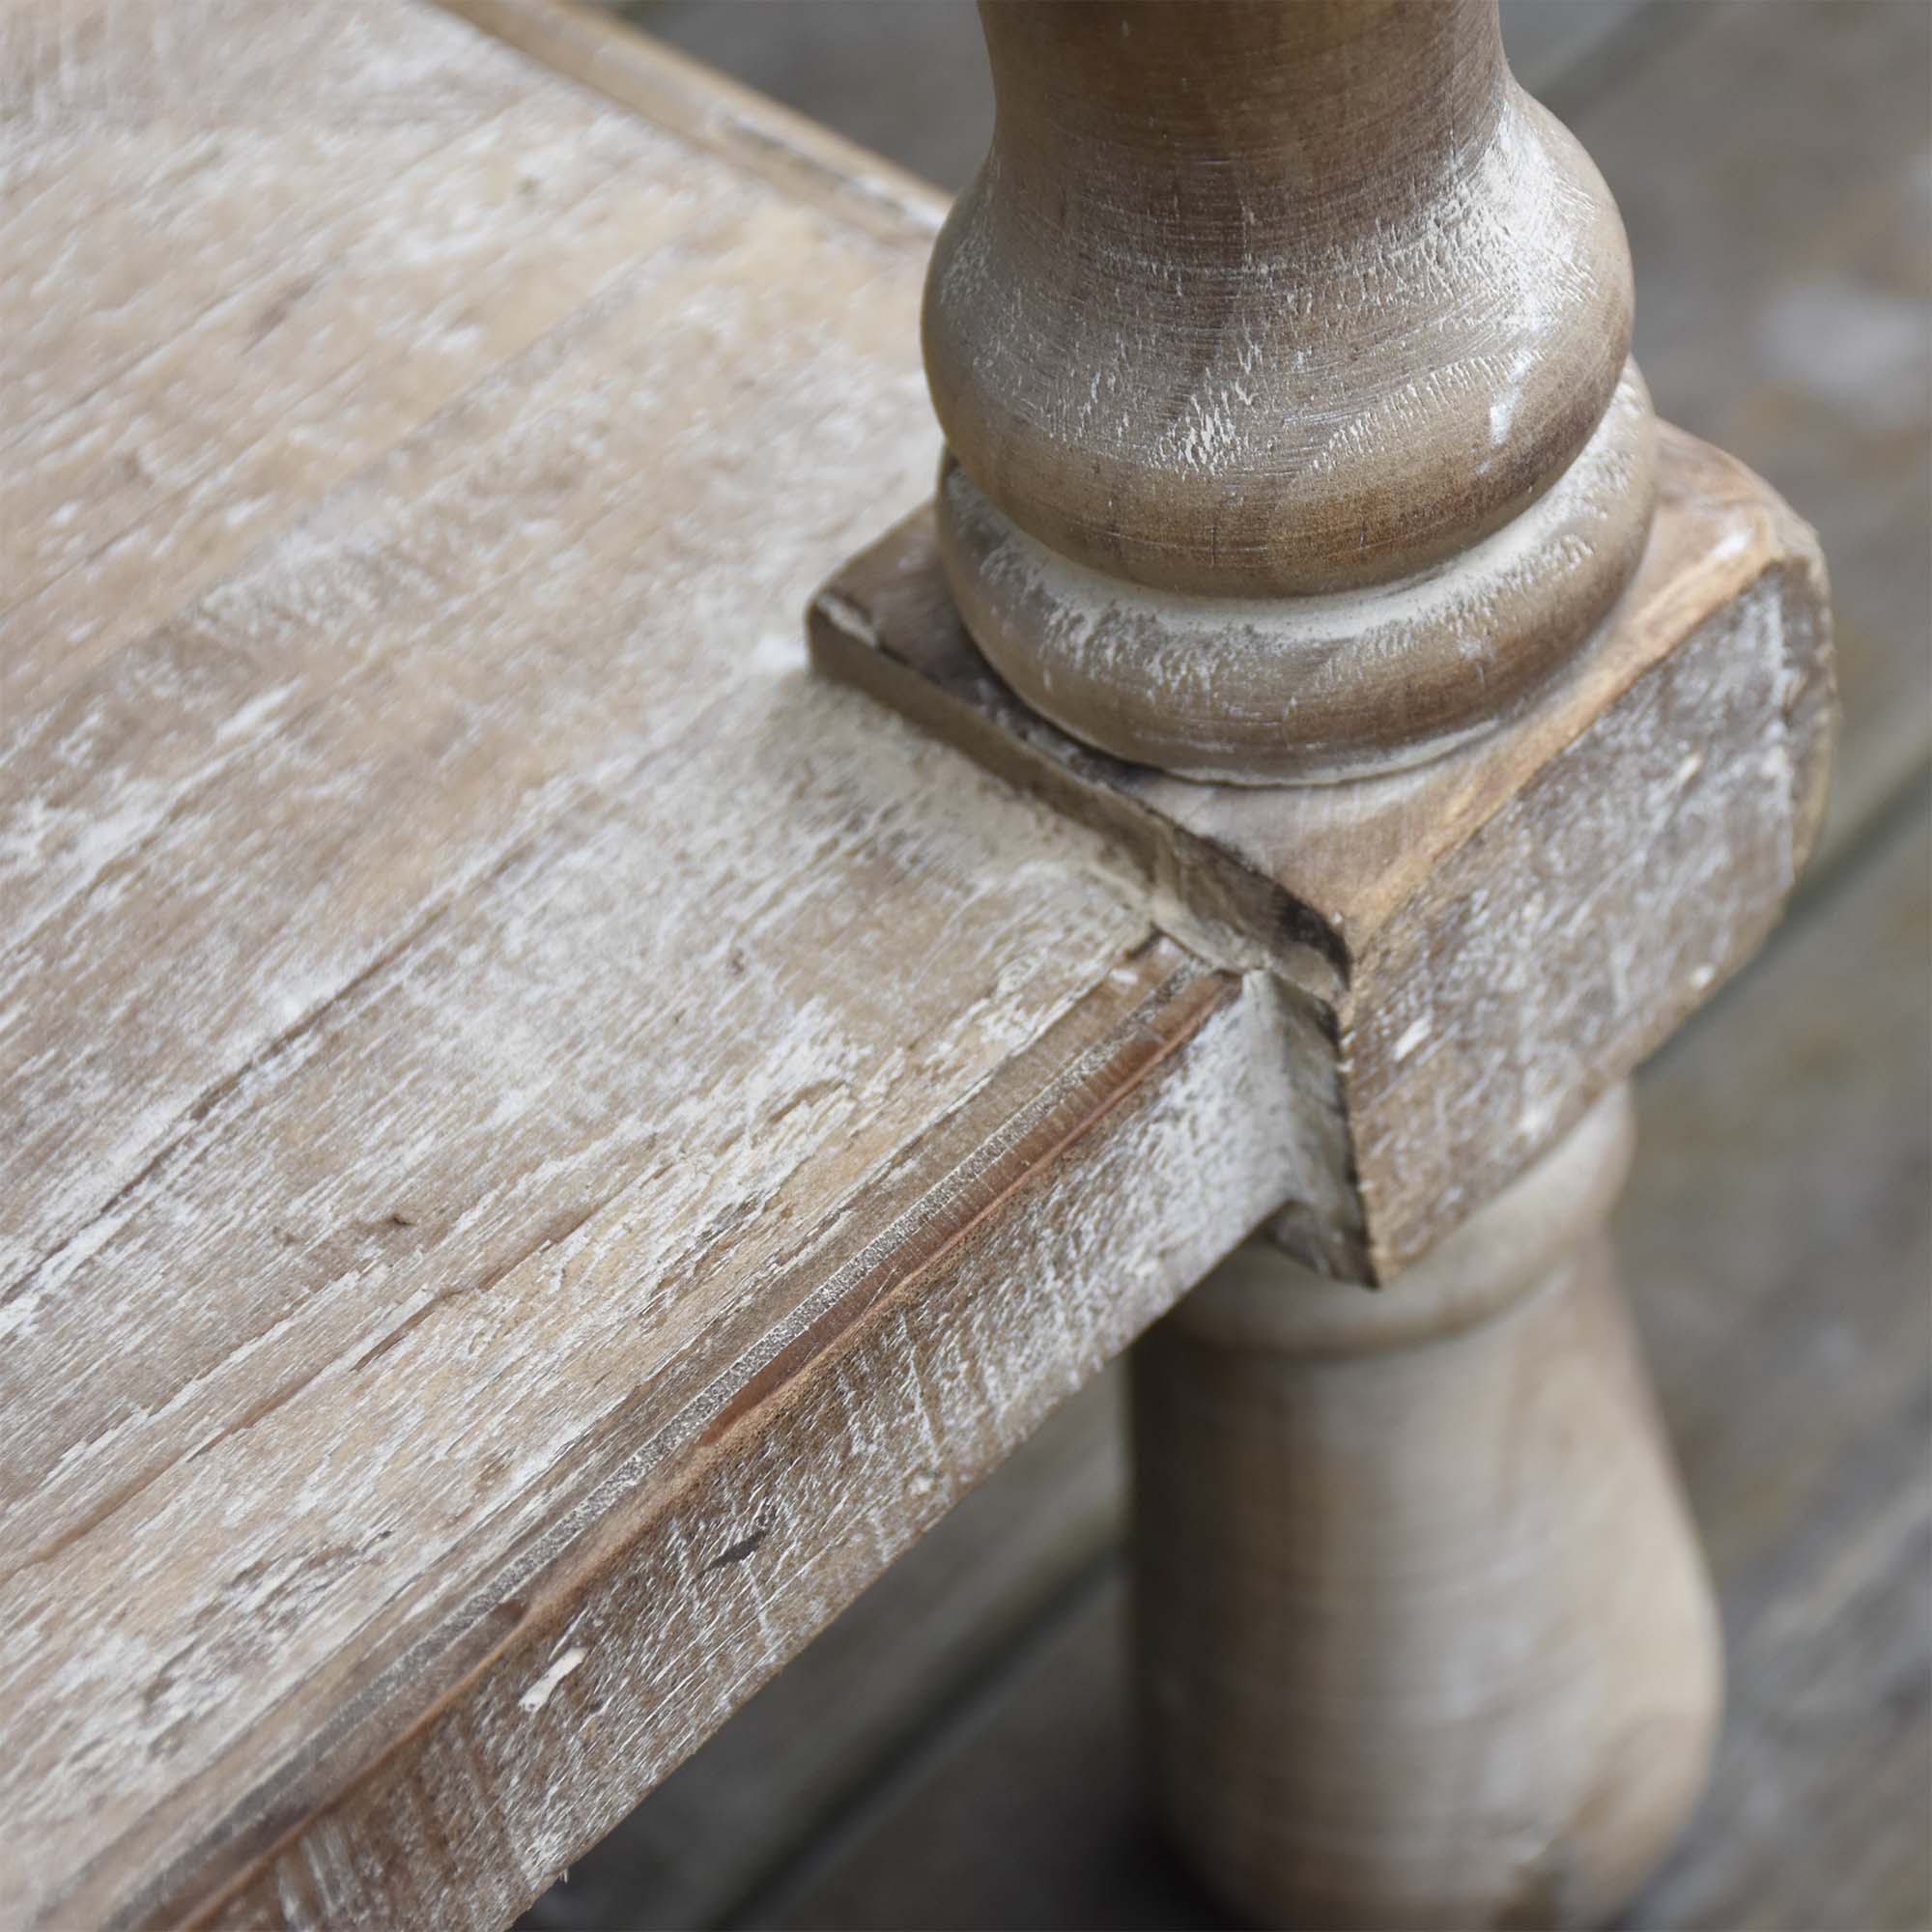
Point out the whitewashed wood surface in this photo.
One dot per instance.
(542, 1144)
(1753, 205)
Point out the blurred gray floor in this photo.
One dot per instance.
(907, 78)
(955, 1752)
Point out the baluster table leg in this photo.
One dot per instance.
(1304, 523)
(1424, 1636)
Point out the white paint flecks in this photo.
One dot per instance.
(539, 1693)
(1413, 1036)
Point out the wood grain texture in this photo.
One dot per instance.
(220, 308)
(830, 1728)
(1180, 349)
(544, 1144)
(1281, 357)
(747, 128)
(1500, 935)
(1734, 194)
(1243, 690)
(704, 1552)
(1388, 1675)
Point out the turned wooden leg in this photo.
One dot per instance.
(1425, 1639)
(1304, 526)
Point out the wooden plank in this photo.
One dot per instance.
(222, 310)
(250, 705)
(1775, 1241)
(834, 1723)
(545, 1144)
(150, 179)
(749, 126)
(391, 696)
(514, 1698)
(222, 434)
(292, 293)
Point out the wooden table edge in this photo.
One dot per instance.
(564, 1693)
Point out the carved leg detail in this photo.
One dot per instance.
(1305, 529)
(1425, 1639)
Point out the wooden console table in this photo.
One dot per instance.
(545, 1143)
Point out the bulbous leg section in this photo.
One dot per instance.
(1313, 689)
(1425, 1637)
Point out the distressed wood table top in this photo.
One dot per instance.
(542, 1144)
(1775, 1233)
